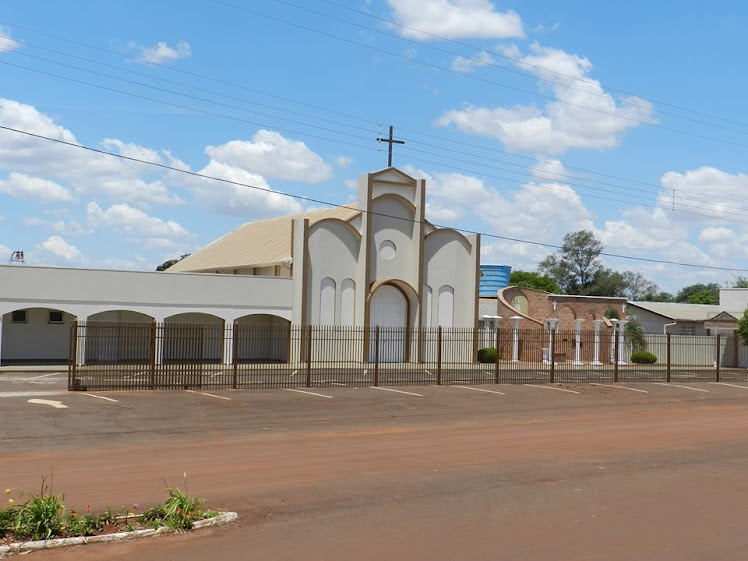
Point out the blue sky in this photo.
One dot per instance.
(529, 120)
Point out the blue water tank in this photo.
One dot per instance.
(493, 278)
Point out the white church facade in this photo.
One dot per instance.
(376, 263)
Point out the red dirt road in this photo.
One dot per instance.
(626, 481)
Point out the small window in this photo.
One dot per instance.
(54, 316)
(19, 316)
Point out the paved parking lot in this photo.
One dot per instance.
(40, 414)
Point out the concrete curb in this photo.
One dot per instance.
(20, 547)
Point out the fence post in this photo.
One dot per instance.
(669, 359)
(152, 373)
(73, 362)
(553, 358)
(736, 349)
(376, 356)
(309, 357)
(496, 365)
(615, 355)
(439, 357)
(719, 345)
(235, 355)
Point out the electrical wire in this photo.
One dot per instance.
(335, 205)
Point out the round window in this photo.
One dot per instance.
(387, 250)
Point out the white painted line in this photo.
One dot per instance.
(209, 395)
(32, 393)
(397, 391)
(480, 390)
(731, 385)
(679, 386)
(427, 372)
(620, 387)
(308, 393)
(55, 404)
(294, 373)
(100, 397)
(550, 388)
(46, 375)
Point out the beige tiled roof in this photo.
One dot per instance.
(256, 244)
(681, 311)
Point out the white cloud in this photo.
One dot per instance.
(124, 218)
(35, 189)
(584, 117)
(69, 229)
(344, 161)
(238, 200)
(61, 249)
(455, 19)
(161, 52)
(77, 170)
(462, 64)
(272, 155)
(6, 41)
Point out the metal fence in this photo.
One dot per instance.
(142, 356)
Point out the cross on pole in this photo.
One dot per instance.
(390, 141)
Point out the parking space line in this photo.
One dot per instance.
(480, 390)
(209, 395)
(50, 402)
(619, 387)
(32, 393)
(308, 393)
(396, 391)
(46, 375)
(550, 388)
(680, 386)
(99, 397)
(731, 385)
(427, 372)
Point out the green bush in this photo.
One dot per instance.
(487, 355)
(643, 357)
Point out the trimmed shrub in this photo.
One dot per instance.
(643, 357)
(487, 355)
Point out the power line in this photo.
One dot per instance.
(478, 78)
(441, 164)
(335, 205)
(298, 102)
(523, 63)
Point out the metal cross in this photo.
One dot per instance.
(390, 141)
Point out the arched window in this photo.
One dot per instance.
(347, 302)
(445, 315)
(327, 302)
(427, 299)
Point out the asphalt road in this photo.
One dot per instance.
(578, 472)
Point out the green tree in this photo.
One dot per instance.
(658, 297)
(638, 286)
(574, 266)
(166, 264)
(703, 297)
(634, 335)
(710, 296)
(743, 327)
(740, 282)
(606, 282)
(534, 280)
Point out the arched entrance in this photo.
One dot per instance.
(262, 338)
(389, 309)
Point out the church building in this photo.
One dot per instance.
(375, 263)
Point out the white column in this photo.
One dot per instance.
(515, 337)
(552, 326)
(1, 339)
(81, 335)
(160, 334)
(598, 323)
(491, 324)
(578, 334)
(614, 323)
(621, 341)
(228, 342)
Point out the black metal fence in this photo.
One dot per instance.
(140, 356)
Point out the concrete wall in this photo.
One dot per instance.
(733, 299)
(37, 339)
